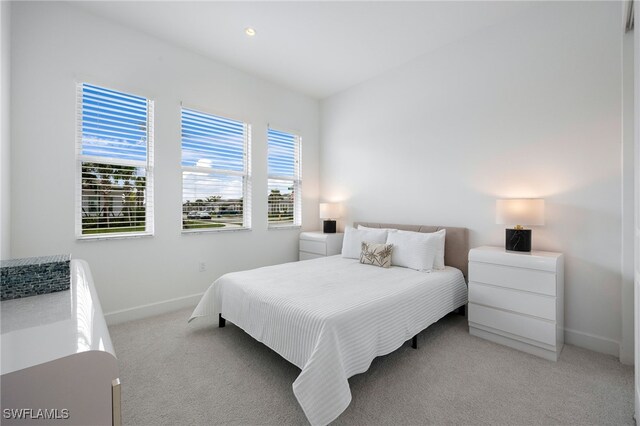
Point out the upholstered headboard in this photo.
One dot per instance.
(456, 243)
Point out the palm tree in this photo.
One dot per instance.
(140, 190)
(106, 180)
(212, 201)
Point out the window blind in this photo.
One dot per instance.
(115, 163)
(216, 180)
(285, 181)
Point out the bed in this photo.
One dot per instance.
(332, 316)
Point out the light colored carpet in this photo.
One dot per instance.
(175, 373)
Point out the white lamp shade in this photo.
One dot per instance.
(520, 211)
(330, 210)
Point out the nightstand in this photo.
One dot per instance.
(517, 299)
(318, 244)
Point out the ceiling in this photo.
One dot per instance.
(317, 48)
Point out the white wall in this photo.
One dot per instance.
(527, 108)
(55, 45)
(5, 133)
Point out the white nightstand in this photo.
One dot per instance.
(318, 244)
(517, 299)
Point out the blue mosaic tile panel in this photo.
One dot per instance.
(34, 275)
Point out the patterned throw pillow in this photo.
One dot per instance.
(376, 254)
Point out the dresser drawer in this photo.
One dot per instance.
(317, 247)
(513, 300)
(517, 278)
(519, 325)
(303, 255)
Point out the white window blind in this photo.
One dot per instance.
(216, 179)
(285, 179)
(115, 163)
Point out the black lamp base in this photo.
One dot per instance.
(329, 227)
(518, 240)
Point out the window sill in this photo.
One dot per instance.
(125, 236)
(213, 230)
(283, 227)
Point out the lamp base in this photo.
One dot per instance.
(518, 240)
(329, 227)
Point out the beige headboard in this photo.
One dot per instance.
(456, 243)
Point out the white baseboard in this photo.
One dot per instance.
(592, 342)
(152, 309)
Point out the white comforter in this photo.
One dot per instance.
(331, 317)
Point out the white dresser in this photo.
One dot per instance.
(318, 244)
(57, 358)
(517, 299)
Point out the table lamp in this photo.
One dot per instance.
(518, 212)
(330, 212)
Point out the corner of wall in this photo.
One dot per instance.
(628, 184)
(5, 131)
(636, 296)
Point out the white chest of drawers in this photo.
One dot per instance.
(517, 299)
(318, 244)
(57, 355)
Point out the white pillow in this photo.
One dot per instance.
(414, 250)
(366, 228)
(438, 262)
(353, 238)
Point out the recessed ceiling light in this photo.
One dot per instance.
(250, 31)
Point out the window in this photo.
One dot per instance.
(115, 163)
(284, 198)
(216, 182)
